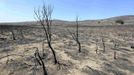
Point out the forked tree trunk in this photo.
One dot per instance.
(43, 65)
(40, 61)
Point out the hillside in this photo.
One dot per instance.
(128, 20)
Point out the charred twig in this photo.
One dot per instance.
(115, 57)
(62, 66)
(11, 55)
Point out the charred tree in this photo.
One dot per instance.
(44, 18)
(75, 35)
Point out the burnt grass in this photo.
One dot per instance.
(25, 64)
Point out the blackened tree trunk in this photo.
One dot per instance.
(55, 59)
(40, 61)
(79, 46)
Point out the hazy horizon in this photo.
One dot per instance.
(22, 10)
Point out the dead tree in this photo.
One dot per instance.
(43, 16)
(75, 35)
(40, 61)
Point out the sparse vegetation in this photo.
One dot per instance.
(32, 49)
(119, 21)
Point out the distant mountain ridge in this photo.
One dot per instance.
(126, 17)
(128, 20)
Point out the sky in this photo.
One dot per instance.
(23, 10)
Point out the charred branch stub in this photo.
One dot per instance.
(40, 61)
(96, 42)
(103, 44)
(116, 45)
(13, 35)
(44, 18)
(75, 35)
(115, 56)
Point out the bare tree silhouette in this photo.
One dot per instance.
(44, 18)
(75, 35)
